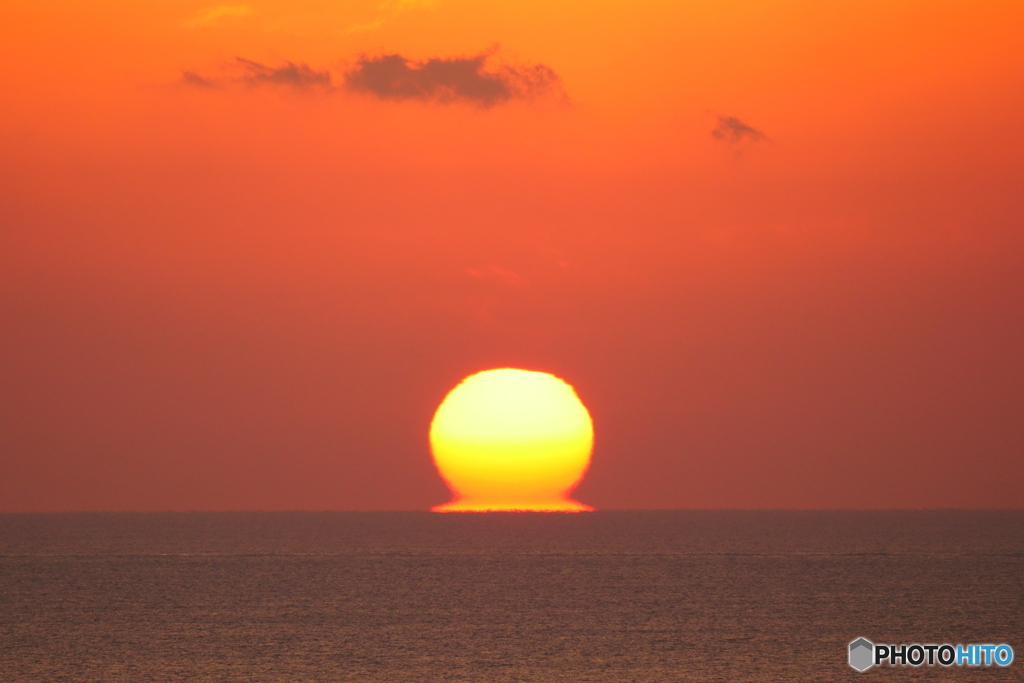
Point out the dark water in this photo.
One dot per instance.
(608, 596)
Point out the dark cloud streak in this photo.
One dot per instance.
(296, 75)
(731, 129)
(394, 77)
(189, 77)
(255, 74)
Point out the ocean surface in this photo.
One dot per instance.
(605, 596)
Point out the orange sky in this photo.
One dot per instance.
(247, 285)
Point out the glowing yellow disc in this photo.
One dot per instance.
(512, 440)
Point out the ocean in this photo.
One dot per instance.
(408, 596)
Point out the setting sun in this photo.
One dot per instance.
(512, 439)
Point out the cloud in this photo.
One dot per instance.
(387, 12)
(731, 129)
(211, 16)
(394, 77)
(251, 73)
(296, 75)
(189, 77)
(498, 275)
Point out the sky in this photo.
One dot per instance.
(247, 249)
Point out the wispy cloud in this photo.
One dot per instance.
(386, 12)
(217, 14)
(189, 77)
(448, 79)
(255, 74)
(396, 78)
(298, 75)
(329, 19)
(731, 129)
(502, 277)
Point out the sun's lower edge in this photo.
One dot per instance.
(565, 505)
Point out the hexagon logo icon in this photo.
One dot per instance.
(862, 653)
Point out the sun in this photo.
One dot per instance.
(511, 439)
